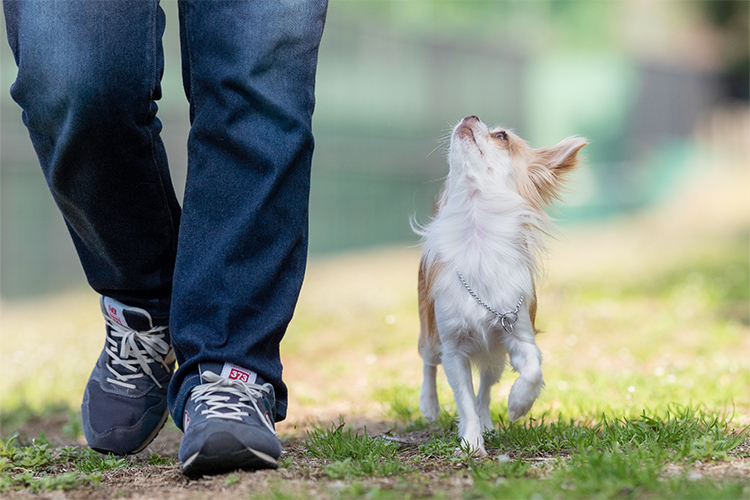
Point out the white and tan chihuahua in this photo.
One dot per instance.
(477, 299)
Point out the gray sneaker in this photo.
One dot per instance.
(125, 401)
(229, 423)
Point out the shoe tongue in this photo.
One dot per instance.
(131, 317)
(231, 372)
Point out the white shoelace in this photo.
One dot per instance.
(131, 357)
(213, 394)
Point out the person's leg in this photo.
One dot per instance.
(88, 75)
(249, 71)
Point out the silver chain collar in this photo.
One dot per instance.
(508, 319)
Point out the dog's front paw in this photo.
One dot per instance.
(466, 449)
(472, 441)
(517, 411)
(522, 397)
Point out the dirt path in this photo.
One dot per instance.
(301, 475)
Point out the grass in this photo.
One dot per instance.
(684, 433)
(39, 466)
(630, 473)
(606, 457)
(354, 454)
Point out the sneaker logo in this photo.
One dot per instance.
(114, 311)
(234, 372)
(113, 314)
(185, 421)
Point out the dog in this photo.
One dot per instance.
(477, 298)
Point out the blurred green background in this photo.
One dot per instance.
(643, 80)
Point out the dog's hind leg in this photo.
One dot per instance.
(488, 376)
(429, 349)
(428, 398)
(526, 359)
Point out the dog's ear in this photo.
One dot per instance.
(563, 157)
(546, 171)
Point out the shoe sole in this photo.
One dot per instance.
(201, 463)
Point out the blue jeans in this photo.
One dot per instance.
(227, 267)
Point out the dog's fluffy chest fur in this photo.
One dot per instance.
(488, 239)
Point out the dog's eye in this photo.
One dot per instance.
(500, 135)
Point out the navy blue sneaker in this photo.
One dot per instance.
(125, 401)
(229, 423)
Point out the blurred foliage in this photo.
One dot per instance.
(725, 13)
(495, 19)
(569, 23)
(731, 18)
